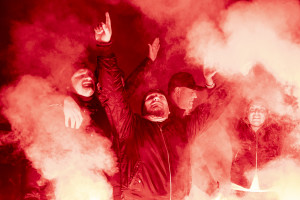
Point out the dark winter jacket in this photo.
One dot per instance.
(99, 121)
(152, 153)
(155, 156)
(266, 144)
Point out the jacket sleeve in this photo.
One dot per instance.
(206, 113)
(136, 77)
(112, 94)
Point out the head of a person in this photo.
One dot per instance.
(257, 113)
(155, 104)
(182, 90)
(83, 82)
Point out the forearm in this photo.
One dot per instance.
(112, 94)
(137, 76)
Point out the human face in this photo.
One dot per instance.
(257, 115)
(83, 82)
(156, 104)
(185, 98)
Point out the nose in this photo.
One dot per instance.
(155, 99)
(87, 77)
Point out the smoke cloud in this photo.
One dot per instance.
(74, 161)
(253, 44)
(50, 43)
(250, 33)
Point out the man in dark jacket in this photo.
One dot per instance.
(83, 87)
(182, 90)
(261, 141)
(82, 96)
(152, 145)
(83, 99)
(155, 155)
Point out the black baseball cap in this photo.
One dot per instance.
(183, 79)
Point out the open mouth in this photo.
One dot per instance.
(87, 83)
(156, 104)
(256, 118)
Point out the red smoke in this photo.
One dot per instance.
(72, 160)
(263, 32)
(233, 37)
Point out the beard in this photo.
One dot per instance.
(155, 112)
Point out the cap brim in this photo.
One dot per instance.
(198, 87)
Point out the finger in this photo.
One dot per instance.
(158, 47)
(77, 121)
(107, 20)
(213, 70)
(98, 30)
(73, 121)
(66, 121)
(98, 27)
(213, 73)
(156, 42)
(81, 119)
(105, 29)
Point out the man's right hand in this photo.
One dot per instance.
(73, 117)
(103, 31)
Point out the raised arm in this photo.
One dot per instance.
(208, 75)
(136, 77)
(111, 83)
(206, 113)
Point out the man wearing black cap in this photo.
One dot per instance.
(182, 91)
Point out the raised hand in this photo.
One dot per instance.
(208, 75)
(73, 117)
(103, 31)
(153, 49)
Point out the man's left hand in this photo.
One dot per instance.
(208, 75)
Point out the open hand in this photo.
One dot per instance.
(153, 49)
(73, 117)
(208, 75)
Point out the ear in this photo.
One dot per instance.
(177, 91)
(123, 82)
(98, 87)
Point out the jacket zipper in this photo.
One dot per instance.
(168, 156)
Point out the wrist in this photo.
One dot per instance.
(103, 44)
(210, 85)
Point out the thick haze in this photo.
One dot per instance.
(254, 45)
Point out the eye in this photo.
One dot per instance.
(261, 110)
(149, 98)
